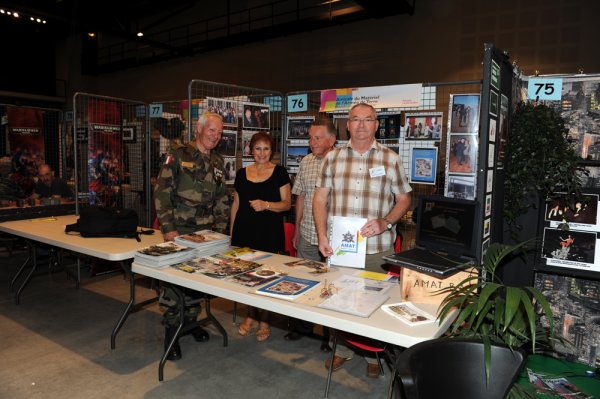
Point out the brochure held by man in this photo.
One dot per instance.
(348, 244)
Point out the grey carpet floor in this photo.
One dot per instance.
(56, 344)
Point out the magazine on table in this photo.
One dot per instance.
(288, 288)
(313, 267)
(348, 244)
(246, 253)
(356, 295)
(408, 313)
(215, 267)
(256, 277)
(163, 254)
(206, 242)
(201, 238)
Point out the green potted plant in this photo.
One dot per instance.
(542, 162)
(493, 312)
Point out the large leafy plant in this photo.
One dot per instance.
(493, 312)
(542, 162)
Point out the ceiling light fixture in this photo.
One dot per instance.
(140, 34)
(15, 14)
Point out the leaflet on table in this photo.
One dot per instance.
(246, 253)
(349, 245)
(217, 267)
(362, 284)
(313, 267)
(256, 277)
(376, 276)
(354, 300)
(203, 238)
(408, 313)
(288, 288)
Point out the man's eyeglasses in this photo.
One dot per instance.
(366, 120)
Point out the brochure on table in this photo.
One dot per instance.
(349, 245)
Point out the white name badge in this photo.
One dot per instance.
(377, 171)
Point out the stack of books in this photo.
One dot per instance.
(163, 254)
(205, 242)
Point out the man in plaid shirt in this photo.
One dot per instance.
(362, 179)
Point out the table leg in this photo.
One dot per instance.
(131, 307)
(16, 277)
(126, 266)
(32, 255)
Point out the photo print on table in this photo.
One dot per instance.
(423, 162)
(462, 152)
(255, 116)
(460, 187)
(226, 108)
(298, 127)
(423, 126)
(465, 113)
(227, 145)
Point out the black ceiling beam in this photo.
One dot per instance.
(386, 8)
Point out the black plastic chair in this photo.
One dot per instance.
(455, 368)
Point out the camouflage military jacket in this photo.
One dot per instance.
(190, 193)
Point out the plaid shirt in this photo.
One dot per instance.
(354, 193)
(305, 184)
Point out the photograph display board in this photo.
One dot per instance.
(423, 165)
(423, 126)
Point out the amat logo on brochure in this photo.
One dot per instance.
(349, 246)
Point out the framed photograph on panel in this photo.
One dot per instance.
(487, 227)
(488, 205)
(423, 162)
(129, 134)
(423, 126)
(461, 187)
(485, 246)
(591, 180)
(227, 145)
(584, 216)
(298, 127)
(462, 153)
(230, 169)
(493, 103)
(491, 155)
(502, 131)
(570, 249)
(246, 137)
(295, 154)
(489, 184)
(255, 116)
(492, 130)
(464, 116)
(226, 108)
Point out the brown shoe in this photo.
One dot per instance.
(338, 362)
(373, 370)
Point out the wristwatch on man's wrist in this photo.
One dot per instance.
(388, 224)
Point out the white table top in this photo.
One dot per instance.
(379, 325)
(52, 231)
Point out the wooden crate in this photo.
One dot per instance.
(421, 288)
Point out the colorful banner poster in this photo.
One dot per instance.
(105, 152)
(398, 96)
(27, 147)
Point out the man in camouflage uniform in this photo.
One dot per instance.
(190, 195)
